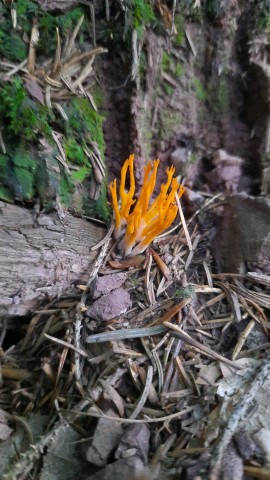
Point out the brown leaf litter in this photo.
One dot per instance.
(186, 365)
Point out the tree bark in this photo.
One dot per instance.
(41, 256)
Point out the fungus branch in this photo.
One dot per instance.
(142, 223)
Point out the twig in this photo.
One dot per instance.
(18, 67)
(192, 251)
(237, 417)
(83, 353)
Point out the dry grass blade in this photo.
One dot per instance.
(14, 373)
(85, 72)
(61, 159)
(68, 345)
(259, 278)
(183, 222)
(171, 313)
(260, 299)
(192, 251)
(57, 58)
(179, 333)
(149, 289)
(182, 373)
(82, 56)
(145, 393)
(17, 68)
(32, 48)
(70, 46)
(257, 472)
(242, 338)
(93, 412)
(61, 111)
(59, 371)
(30, 329)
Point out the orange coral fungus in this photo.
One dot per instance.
(141, 220)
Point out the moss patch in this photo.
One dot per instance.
(142, 12)
(179, 23)
(17, 174)
(170, 120)
(200, 92)
(25, 173)
(83, 127)
(22, 115)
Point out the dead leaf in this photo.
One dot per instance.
(130, 262)
(34, 89)
(111, 394)
(161, 264)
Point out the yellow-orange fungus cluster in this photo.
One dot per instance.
(141, 221)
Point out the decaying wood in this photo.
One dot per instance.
(42, 256)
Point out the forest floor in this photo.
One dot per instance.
(157, 366)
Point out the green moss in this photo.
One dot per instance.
(179, 70)
(65, 23)
(21, 176)
(200, 92)
(223, 95)
(219, 96)
(47, 178)
(97, 207)
(12, 46)
(74, 152)
(261, 18)
(86, 123)
(179, 23)
(81, 174)
(17, 173)
(169, 121)
(24, 168)
(83, 127)
(98, 97)
(142, 12)
(166, 62)
(23, 159)
(147, 140)
(24, 7)
(185, 292)
(168, 89)
(24, 187)
(65, 190)
(5, 195)
(22, 115)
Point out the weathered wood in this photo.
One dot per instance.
(41, 256)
